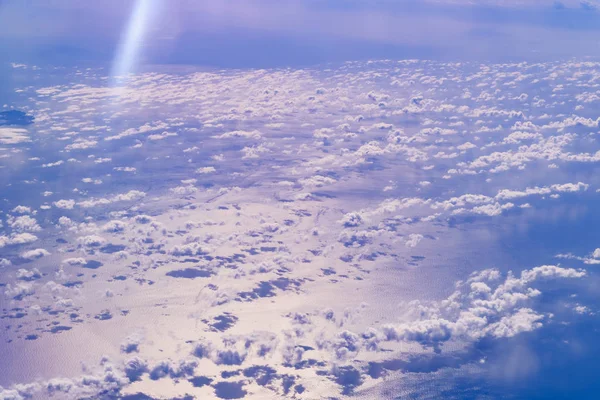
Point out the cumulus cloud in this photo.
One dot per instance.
(92, 241)
(53, 164)
(35, 254)
(482, 306)
(205, 170)
(506, 194)
(114, 226)
(413, 239)
(131, 344)
(24, 223)
(132, 195)
(21, 210)
(240, 134)
(13, 135)
(108, 380)
(65, 204)
(17, 239)
(75, 261)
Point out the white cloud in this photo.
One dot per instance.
(132, 195)
(65, 204)
(205, 170)
(13, 135)
(54, 164)
(24, 223)
(413, 240)
(35, 254)
(240, 134)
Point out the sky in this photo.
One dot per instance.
(263, 33)
(299, 199)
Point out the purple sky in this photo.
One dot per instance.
(278, 33)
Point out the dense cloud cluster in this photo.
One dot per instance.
(256, 226)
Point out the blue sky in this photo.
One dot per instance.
(261, 33)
